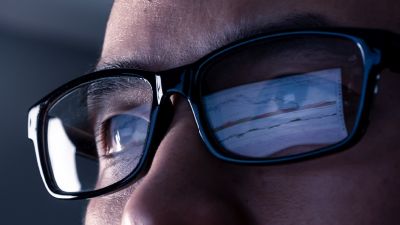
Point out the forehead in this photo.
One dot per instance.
(168, 33)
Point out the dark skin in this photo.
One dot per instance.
(187, 185)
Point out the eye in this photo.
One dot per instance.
(125, 131)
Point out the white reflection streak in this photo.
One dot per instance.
(62, 157)
(262, 118)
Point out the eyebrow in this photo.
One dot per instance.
(298, 21)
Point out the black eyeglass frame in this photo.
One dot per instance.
(379, 49)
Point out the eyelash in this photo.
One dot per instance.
(101, 141)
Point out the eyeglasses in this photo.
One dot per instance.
(269, 99)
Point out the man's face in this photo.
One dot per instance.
(187, 185)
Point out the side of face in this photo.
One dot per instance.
(186, 185)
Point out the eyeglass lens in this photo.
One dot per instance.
(284, 96)
(96, 133)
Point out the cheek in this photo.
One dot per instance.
(107, 209)
(343, 187)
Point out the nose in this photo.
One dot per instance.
(185, 184)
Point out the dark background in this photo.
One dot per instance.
(43, 43)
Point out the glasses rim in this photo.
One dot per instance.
(177, 81)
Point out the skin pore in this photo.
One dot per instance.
(186, 185)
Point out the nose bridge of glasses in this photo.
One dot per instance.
(167, 83)
(175, 81)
